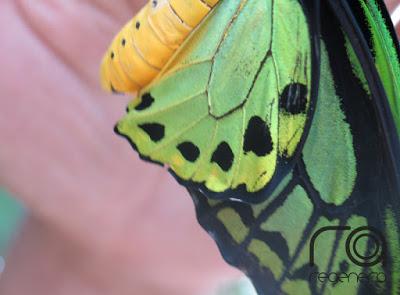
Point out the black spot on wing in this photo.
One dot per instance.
(189, 151)
(223, 156)
(147, 101)
(155, 131)
(257, 138)
(294, 99)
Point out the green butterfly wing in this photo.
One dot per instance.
(227, 115)
(347, 177)
(319, 77)
(383, 44)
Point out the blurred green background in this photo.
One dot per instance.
(11, 215)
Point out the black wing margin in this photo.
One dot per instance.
(377, 149)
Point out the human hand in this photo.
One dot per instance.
(100, 218)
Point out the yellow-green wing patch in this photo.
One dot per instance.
(229, 110)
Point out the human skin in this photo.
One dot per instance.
(100, 220)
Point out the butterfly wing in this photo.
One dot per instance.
(229, 113)
(346, 178)
(382, 41)
(307, 143)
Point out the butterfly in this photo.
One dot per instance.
(146, 43)
(282, 119)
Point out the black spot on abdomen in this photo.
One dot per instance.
(113, 90)
(155, 131)
(257, 138)
(189, 151)
(223, 156)
(147, 101)
(294, 99)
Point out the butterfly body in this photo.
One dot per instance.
(148, 41)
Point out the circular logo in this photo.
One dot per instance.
(366, 246)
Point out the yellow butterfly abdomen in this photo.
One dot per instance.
(146, 43)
